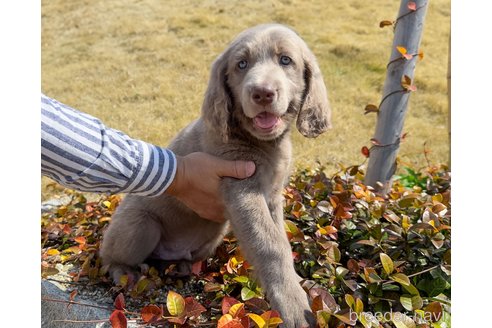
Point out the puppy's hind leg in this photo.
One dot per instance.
(130, 239)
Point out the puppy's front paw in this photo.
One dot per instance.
(117, 271)
(293, 306)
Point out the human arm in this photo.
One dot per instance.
(80, 152)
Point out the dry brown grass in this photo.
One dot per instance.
(142, 65)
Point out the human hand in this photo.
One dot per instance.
(197, 181)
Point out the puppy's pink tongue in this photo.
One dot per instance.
(266, 120)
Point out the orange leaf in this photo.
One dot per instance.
(385, 23)
(404, 53)
(402, 50)
(81, 240)
(118, 319)
(151, 313)
(371, 109)
(317, 304)
(412, 5)
(226, 321)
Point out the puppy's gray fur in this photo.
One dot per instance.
(164, 228)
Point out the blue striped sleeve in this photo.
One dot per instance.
(80, 152)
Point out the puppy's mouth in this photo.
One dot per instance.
(266, 121)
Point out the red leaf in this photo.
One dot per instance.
(193, 308)
(245, 322)
(118, 319)
(227, 302)
(196, 268)
(353, 266)
(257, 304)
(72, 295)
(178, 320)
(119, 302)
(412, 5)
(365, 151)
(151, 313)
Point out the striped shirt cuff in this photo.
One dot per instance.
(80, 152)
(157, 169)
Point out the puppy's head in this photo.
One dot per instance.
(262, 82)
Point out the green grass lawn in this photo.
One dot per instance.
(142, 66)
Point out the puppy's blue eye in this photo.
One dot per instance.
(285, 60)
(242, 64)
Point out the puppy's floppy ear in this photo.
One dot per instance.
(217, 103)
(314, 117)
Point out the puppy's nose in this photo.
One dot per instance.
(263, 95)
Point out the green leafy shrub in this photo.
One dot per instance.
(378, 256)
(367, 260)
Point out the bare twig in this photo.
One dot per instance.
(82, 321)
(76, 303)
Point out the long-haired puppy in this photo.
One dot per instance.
(265, 80)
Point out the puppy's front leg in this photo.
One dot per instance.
(267, 248)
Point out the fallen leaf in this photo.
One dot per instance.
(151, 313)
(175, 304)
(193, 308)
(118, 319)
(119, 302)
